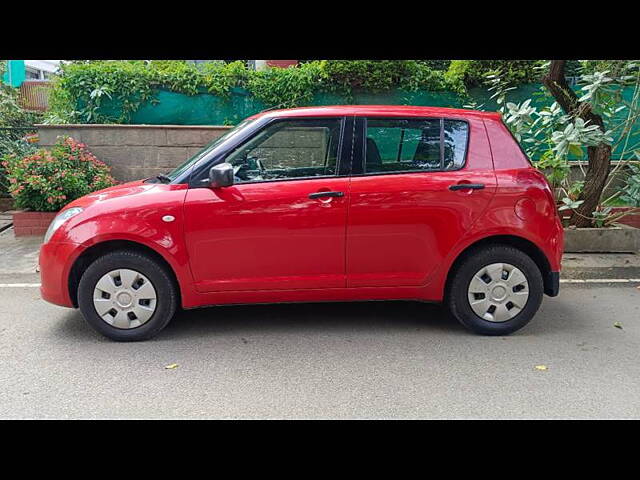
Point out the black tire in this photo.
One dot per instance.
(166, 291)
(457, 300)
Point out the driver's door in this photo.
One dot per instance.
(282, 224)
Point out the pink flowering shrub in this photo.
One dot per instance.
(46, 180)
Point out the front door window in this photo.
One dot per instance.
(289, 149)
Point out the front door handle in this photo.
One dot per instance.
(326, 194)
(465, 186)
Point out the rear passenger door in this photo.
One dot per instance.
(409, 204)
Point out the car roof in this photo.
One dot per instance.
(375, 111)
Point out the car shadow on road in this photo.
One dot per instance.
(311, 317)
(348, 317)
(334, 318)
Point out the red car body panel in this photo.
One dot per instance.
(56, 259)
(402, 226)
(131, 212)
(271, 236)
(524, 205)
(391, 236)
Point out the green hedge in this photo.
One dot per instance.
(85, 86)
(515, 72)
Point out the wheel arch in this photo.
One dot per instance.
(522, 244)
(97, 250)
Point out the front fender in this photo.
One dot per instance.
(141, 224)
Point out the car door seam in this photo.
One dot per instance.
(348, 200)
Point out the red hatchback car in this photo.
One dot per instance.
(318, 204)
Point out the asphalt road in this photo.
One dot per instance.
(366, 360)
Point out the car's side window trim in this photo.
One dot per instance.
(442, 143)
(361, 152)
(347, 139)
(358, 154)
(339, 159)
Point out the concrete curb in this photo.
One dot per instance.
(619, 239)
(600, 265)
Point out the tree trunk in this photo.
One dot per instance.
(599, 157)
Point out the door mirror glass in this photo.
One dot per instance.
(221, 175)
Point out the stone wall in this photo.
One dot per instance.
(136, 151)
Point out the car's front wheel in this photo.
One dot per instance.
(127, 296)
(495, 290)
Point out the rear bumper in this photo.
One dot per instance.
(55, 262)
(552, 284)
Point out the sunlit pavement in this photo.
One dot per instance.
(342, 360)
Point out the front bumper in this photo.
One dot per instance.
(552, 284)
(55, 260)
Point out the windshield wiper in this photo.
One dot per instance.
(163, 178)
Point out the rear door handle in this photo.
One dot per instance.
(326, 194)
(465, 186)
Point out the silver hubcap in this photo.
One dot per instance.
(498, 292)
(124, 298)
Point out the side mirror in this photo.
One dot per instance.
(221, 175)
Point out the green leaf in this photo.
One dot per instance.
(576, 150)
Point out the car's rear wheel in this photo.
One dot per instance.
(495, 290)
(127, 296)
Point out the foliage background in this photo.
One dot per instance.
(84, 88)
(15, 123)
(136, 91)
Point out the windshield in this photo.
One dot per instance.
(208, 148)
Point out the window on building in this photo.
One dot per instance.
(32, 74)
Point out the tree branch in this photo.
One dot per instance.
(556, 83)
(599, 156)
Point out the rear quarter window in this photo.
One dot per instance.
(456, 139)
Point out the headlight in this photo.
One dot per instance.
(59, 220)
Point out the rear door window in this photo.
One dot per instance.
(397, 145)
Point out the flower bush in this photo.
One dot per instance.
(47, 180)
(19, 148)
